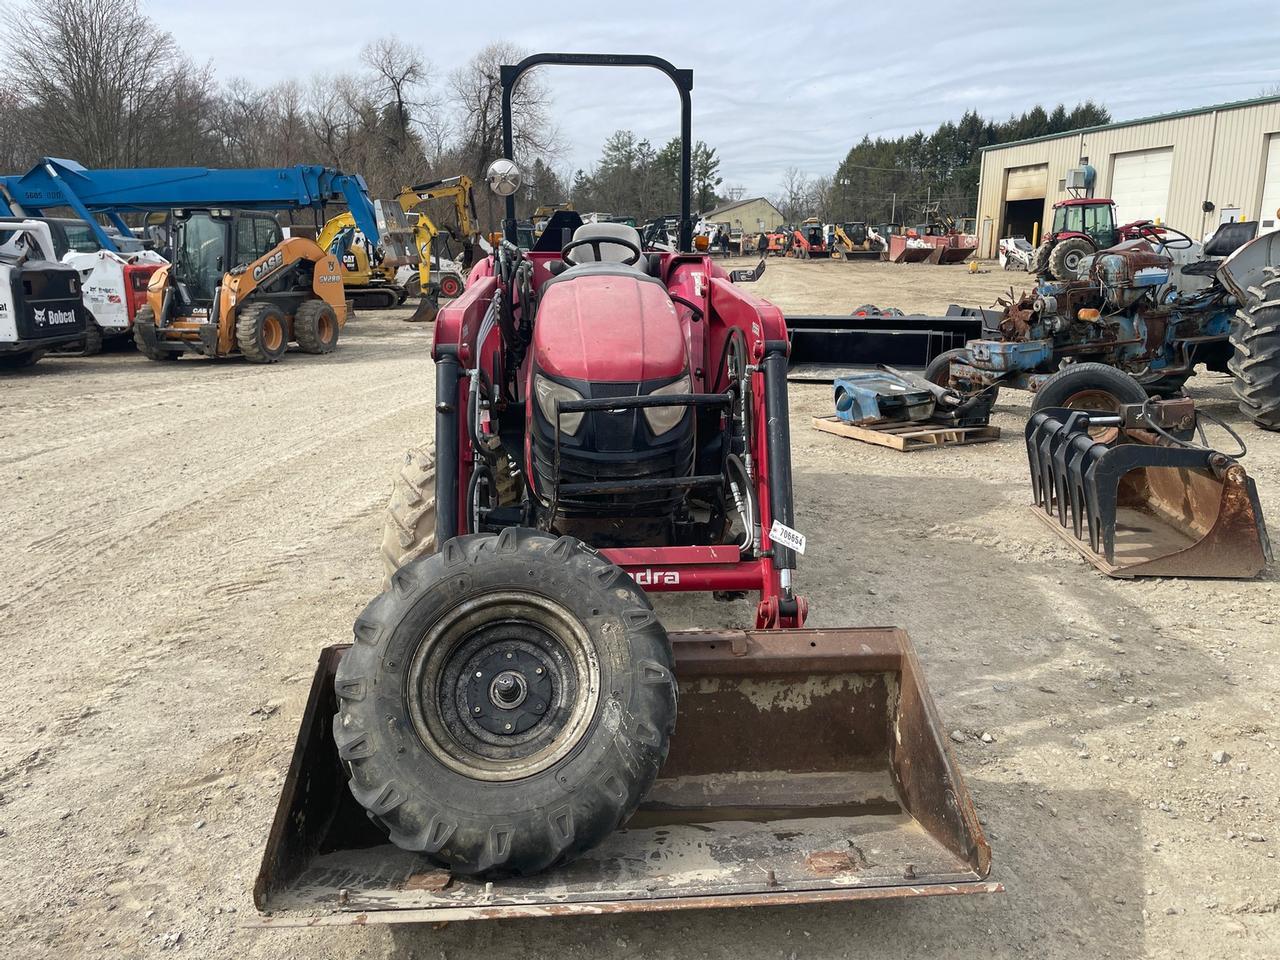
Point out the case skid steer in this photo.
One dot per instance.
(501, 737)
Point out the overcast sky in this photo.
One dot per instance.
(780, 84)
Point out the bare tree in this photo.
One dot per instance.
(796, 197)
(402, 77)
(95, 78)
(477, 90)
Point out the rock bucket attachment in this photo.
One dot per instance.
(806, 766)
(1135, 502)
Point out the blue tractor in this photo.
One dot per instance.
(1136, 325)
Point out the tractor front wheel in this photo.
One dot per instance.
(451, 286)
(1088, 386)
(315, 327)
(1255, 361)
(1066, 256)
(506, 704)
(262, 332)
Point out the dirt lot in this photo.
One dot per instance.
(179, 541)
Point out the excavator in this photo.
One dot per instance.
(370, 280)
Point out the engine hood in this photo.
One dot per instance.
(608, 328)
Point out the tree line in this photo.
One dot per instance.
(894, 179)
(97, 82)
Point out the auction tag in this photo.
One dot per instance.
(781, 533)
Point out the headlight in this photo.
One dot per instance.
(664, 419)
(550, 395)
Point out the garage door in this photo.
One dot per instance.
(1140, 184)
(1269, 217)
(1026, 183)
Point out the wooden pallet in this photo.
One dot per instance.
(908, 436)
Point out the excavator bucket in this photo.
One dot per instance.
(425, 312)
(806, 766)
(1137, 502)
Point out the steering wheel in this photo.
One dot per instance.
(1158, 236)
(595, 242)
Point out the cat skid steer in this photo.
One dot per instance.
(497, 740)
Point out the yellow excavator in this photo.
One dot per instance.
(371, 281)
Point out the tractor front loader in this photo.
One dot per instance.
(501, 736)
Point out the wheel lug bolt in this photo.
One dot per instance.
(510, 655)
(479, 674)
(506, 726)
(538, 671)
(475, 709)
(539, 707)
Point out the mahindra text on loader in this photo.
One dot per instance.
(502, 737)
(40, 299)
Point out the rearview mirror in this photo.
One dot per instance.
(504, 177)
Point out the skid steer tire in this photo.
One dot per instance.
(1255, 360)
(1088, 386)
(147, 315)
(92, 344)
(315, 327)
(262, 333)
(506, 703)
(20, 361)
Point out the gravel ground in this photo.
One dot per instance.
(179, 540)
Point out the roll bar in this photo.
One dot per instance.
(683, 79)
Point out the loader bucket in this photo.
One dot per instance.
(806, 766)
(1135, 505)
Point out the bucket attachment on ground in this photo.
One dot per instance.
(1136, 498)
(806, 766)
(426, 310)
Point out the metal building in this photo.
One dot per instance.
(1192, 170)
(753, 215)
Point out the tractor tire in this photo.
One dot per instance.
(1255, 360)
(315, 327)
(1088, 386)
(1065, 257)
(262, 332)
(451, 286)
(20, 361)
(1039, 261)
(409, 523)
(146, 315)
(501, 723)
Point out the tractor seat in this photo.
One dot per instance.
(605, 252)
(1226, 240)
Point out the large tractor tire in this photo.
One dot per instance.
(451, 286)
(409, 524)
(1088, 386)
(146, 315)
(1065, 257)
(315, 327)
(1255, 361)
(262, 332)
(506, 703)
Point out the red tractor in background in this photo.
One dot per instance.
(1081, 227)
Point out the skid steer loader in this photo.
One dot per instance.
(237, 286)
(500, 738)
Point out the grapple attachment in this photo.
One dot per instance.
(806, 766)
(1137, 500)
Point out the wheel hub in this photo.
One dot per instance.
(508, 691)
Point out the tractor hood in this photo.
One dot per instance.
(611, 325)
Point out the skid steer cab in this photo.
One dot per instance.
(237, 286)
(610, 422)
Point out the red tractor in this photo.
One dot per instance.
(610, 422)
(1081, 227)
